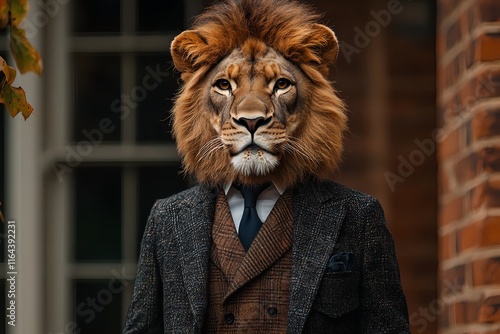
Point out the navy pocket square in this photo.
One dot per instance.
(341, 262)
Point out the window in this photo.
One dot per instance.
(116, 156)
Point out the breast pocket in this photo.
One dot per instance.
(337, 294)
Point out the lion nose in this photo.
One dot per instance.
(252, 124)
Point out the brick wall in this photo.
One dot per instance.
(468, 53)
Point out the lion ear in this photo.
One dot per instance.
(323, 43)
(190, 51)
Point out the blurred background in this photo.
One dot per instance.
(81, 174)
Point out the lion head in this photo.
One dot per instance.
(256, 105)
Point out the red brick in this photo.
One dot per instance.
(486, 271)
(451, 211)
(450, 145)
(447, 246)
(485, 84)
(464, 312)
(489, 159)
(489, 311)
(486, 123)
(489, 10)
(458, 314)
(489, 47)
(482, 233)
(444, 189)
(468, 237)
(489, 232)
(441, 79)
(453, 72)
(485, 195)
(467, 168)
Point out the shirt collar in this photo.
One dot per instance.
(228, 185)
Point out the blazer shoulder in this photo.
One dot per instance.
(358, 204)
(340, 192)
(194, 197)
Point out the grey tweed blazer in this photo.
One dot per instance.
(345, 276)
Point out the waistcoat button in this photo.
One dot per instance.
(229, 317)
(272, 311)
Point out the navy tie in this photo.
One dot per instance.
(250, 222)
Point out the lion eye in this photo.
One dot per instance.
(223, 84)
(282, 84)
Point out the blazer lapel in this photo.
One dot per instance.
(316, 227)
(273, 240)
(192, 229)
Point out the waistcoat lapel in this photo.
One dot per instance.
(318, 216)
(227, 250)
(273, 241)
(192, 226)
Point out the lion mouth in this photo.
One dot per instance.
(252, 148)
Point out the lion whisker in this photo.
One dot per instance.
(294, 145)
(208, 148)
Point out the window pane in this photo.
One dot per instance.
(160, 16)
(97, 306)
(97, 99)
(155, 183)
(95, 16)
(158, 82)
(97, 236)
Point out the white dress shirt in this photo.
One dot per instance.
(265, 202)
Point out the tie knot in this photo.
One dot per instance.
(251, 193)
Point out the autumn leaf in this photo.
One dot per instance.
(4, 14)
(8, 72)
(18, 9)
(15, 101)
(26, 56)
(14, 98)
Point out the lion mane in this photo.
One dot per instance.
(311, 135)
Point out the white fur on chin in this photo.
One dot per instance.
(254, 162)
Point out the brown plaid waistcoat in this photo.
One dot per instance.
(249, 292)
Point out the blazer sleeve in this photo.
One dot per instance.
(145, 311)
(383, 304)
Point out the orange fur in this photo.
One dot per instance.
(252, 26)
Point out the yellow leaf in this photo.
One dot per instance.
(14, 99)
(18, 9)
(4, 14)
(26, 56)
(9, 72)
